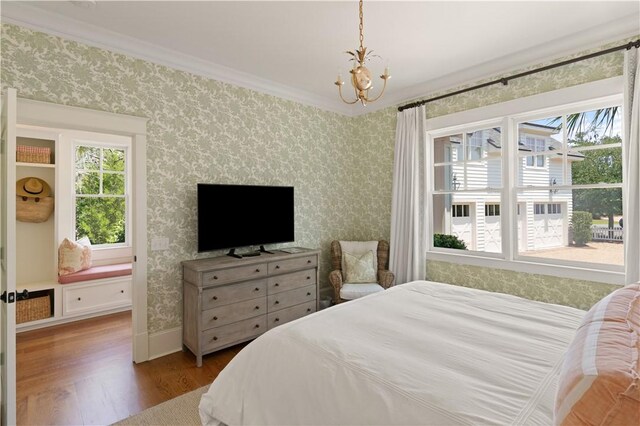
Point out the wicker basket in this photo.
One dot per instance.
(33, 154)
(36, 307)
(30, 210)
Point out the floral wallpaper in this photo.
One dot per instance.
(561, 291)
(202, 130)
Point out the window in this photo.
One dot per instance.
(547, 167)
(554, 208)
(533, 144)
(460, 210)
(492, 209)
(101, 207)
(472, 174)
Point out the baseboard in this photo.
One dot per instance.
(165, 342)
(141, 347)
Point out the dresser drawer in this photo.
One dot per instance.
(96, 296)
(275, 319)
(225, 295)
(227, 314)
(232, 333)
(293, 264)
(230, 275)
(286, 282)
(285, 299)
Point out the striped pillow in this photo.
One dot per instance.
(599, 382)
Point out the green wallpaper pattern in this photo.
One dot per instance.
(202, 130)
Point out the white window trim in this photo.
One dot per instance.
(564, 101)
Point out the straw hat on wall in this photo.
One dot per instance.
(32, 187)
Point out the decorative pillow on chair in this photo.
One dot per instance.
(360, 269)
(74, 256)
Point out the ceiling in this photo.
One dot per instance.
(294, 49)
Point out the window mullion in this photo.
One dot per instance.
(509, 196)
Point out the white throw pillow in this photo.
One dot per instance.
(359, 269)
(74, 256)
(358, 248)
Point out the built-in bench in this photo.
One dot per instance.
(96, 273)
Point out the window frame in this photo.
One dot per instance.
(586, 97)
(107, 143)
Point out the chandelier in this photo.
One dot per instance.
(360, 75)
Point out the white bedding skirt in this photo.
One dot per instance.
(420, 353)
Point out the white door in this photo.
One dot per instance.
(8, 260)
(492, 235)
(548, 225)
(462, 224)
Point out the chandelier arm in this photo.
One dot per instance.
(342, 97)
(380, 95)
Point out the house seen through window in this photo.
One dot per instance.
(567, 179)
(101, 194)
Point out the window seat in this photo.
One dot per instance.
(96, 273)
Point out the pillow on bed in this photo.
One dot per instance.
(359, 269)
(74, 256)
(599, 382)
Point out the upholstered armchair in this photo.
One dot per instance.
(382, 278)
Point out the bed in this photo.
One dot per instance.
(418, 353)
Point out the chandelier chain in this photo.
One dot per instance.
(361, 26)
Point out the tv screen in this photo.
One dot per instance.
(232, 216)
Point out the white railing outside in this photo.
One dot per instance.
(604, 233)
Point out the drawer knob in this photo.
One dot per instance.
(121, 291)
(257, 326)
(277, 266)
(215, 297)
(214, 338)
(79, 298)
(257, 307)
(308, 261)
(308, 294)
(308, 278)
(215, 277)
(277, 319)
(256, 289)
(277, 285)
(257, 270)
(277, 302)
(215, 318)
(308, 309)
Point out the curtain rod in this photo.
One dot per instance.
(505, 80)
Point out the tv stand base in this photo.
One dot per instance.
(233, 253)
(262, 250)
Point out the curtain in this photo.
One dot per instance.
(408, 237)
(631, 210)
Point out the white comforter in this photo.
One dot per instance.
(420, 353)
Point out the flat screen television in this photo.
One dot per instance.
(234, 216)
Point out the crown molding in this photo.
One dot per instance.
(24, 15)
(576, 43)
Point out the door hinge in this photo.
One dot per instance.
(135, 258)
(8, 298)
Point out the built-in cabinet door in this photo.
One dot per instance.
(8, 260)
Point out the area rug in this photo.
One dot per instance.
(182, 410)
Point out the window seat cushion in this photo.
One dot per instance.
(96, 273)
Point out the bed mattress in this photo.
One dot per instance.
(418, 353)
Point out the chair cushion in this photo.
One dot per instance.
(599, 382)
(358, 248)
(359, 269)
(355, 291)
(97, 272)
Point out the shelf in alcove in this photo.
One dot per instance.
(42, 165)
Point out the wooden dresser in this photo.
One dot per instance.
(227, 301)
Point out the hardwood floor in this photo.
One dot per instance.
(82, 373)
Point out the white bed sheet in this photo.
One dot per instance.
(419, 353)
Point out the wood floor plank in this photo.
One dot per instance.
(82, 373)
